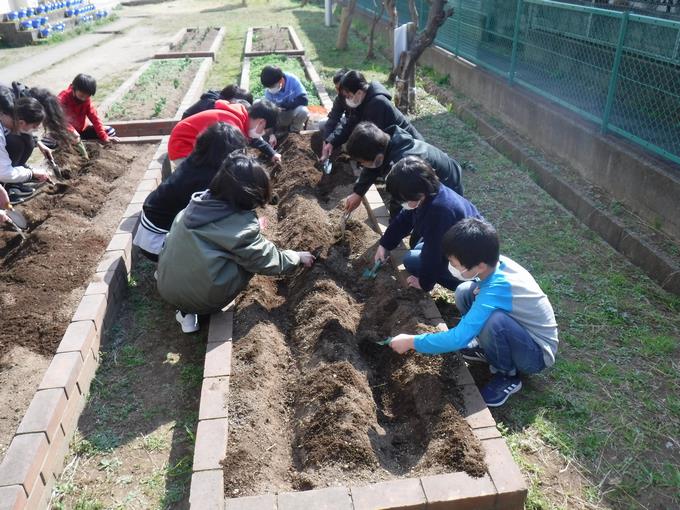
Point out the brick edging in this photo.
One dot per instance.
(34, 459)
(206, 491)
(502, 487)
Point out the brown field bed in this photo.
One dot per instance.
(314, 401)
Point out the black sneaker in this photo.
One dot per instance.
(16, 196)
(474, 355)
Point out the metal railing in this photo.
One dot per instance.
(618, 69)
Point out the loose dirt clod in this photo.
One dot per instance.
(314, 401)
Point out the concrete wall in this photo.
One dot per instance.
(645, 183)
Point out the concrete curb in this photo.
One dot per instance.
(294, 39)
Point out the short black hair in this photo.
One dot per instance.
(353, 81)
(6, 101)
(234, 92)
(472, 241)
(270, 76)
(241, 182)
(29, 110)
(265, 109)
(411, 178)
(337, 77)
(85, 83)
(215, 143)
(366, 142)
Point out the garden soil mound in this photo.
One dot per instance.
(65, 240)
(314, 401)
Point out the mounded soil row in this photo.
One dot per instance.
(272, 39)
(314, 401)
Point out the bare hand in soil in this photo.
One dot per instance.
(3, 217)
(413, 281)
(352, 202)
(276, 159)
(272, 140)
(262, 222)
(326, 151)
(306, 258)
(381, 254)
(114, 139)
(40, 175)
(402, 343)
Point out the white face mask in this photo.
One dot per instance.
(407, 206)
(376, 163)
(459, 276)
(352, 103)
(254, 133)
(275, 89)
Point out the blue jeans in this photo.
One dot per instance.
(507, 345)
(412, 263)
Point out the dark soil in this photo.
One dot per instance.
(196, 39)
(314, 401)
(271, 39)
(64, 243)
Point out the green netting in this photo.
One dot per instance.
(619, 69)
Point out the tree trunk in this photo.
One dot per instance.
(370, 54)
(413, 11)
(345, 24)
(407, 63)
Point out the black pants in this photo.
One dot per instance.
(20, 147)
(90, 134)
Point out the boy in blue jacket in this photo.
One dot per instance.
(507, 322)
(286, 92)
(429, 208)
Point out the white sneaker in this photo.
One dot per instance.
(188, 321)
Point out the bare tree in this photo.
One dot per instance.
(345, 24)
(413, 11)
(438, 14)
(370, 54)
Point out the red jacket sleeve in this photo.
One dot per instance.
(96, 122)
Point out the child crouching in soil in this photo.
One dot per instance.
(215, 245)
(507, 322)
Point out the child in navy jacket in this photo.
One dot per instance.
(429, 208)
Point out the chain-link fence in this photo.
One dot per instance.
(618, 69)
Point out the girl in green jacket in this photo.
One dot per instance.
(215, 245)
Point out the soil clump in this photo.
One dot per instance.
(314, 401)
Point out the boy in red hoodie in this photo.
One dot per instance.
(78, 107)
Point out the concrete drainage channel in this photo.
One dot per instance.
(34, 459)
(502, 487)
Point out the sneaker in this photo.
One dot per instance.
(188, 321)
(16, 196)
(474, 355)
(499, 389)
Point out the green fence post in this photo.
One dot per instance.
(613, 81)
(515, 40)
(459, 14)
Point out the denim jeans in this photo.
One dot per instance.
(412, 263)
(507, 345)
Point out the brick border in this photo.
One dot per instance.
(502, 488)
(35, 456)
(298, 49)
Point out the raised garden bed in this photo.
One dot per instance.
(157, 92)
(194, 42)
(276, 39)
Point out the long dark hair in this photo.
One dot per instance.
(241, 182)
(55, 120)
(215, 144)
(6, 101)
